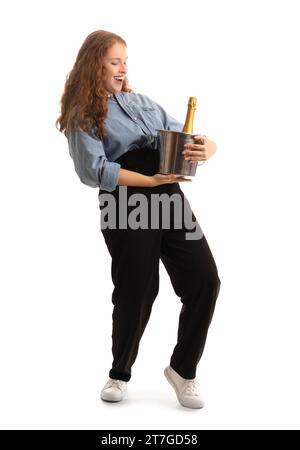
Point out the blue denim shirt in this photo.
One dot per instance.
(132, 122)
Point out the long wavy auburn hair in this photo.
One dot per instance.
(84, 100)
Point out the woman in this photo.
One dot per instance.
(112, 139)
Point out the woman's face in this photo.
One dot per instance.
(115, 67)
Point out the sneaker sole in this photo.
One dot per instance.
(168, 377)
(113, 401)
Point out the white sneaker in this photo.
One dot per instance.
(187, 391)
(114, 390)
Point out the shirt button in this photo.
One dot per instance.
(135, 118)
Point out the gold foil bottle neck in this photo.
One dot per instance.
(192, 102)
(189, 120)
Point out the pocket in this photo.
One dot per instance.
(149, 115)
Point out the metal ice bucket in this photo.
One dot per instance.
(171, 146)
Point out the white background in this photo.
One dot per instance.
(240, 59)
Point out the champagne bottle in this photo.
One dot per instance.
(189, 121)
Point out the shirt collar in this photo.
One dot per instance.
(114, 97)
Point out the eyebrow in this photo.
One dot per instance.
(119, 58)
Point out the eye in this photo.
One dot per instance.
(115, 64)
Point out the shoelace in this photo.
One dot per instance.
(118, 383)
(192, 387)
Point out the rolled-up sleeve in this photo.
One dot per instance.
(90, 161)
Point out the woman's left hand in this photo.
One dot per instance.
(200, 151)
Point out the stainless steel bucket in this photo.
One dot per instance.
(171, 146)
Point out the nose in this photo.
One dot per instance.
(124, 69)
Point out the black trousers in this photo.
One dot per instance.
(135, 257)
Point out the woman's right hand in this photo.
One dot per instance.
(158, 178)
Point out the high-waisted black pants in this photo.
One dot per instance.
(135, 257)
